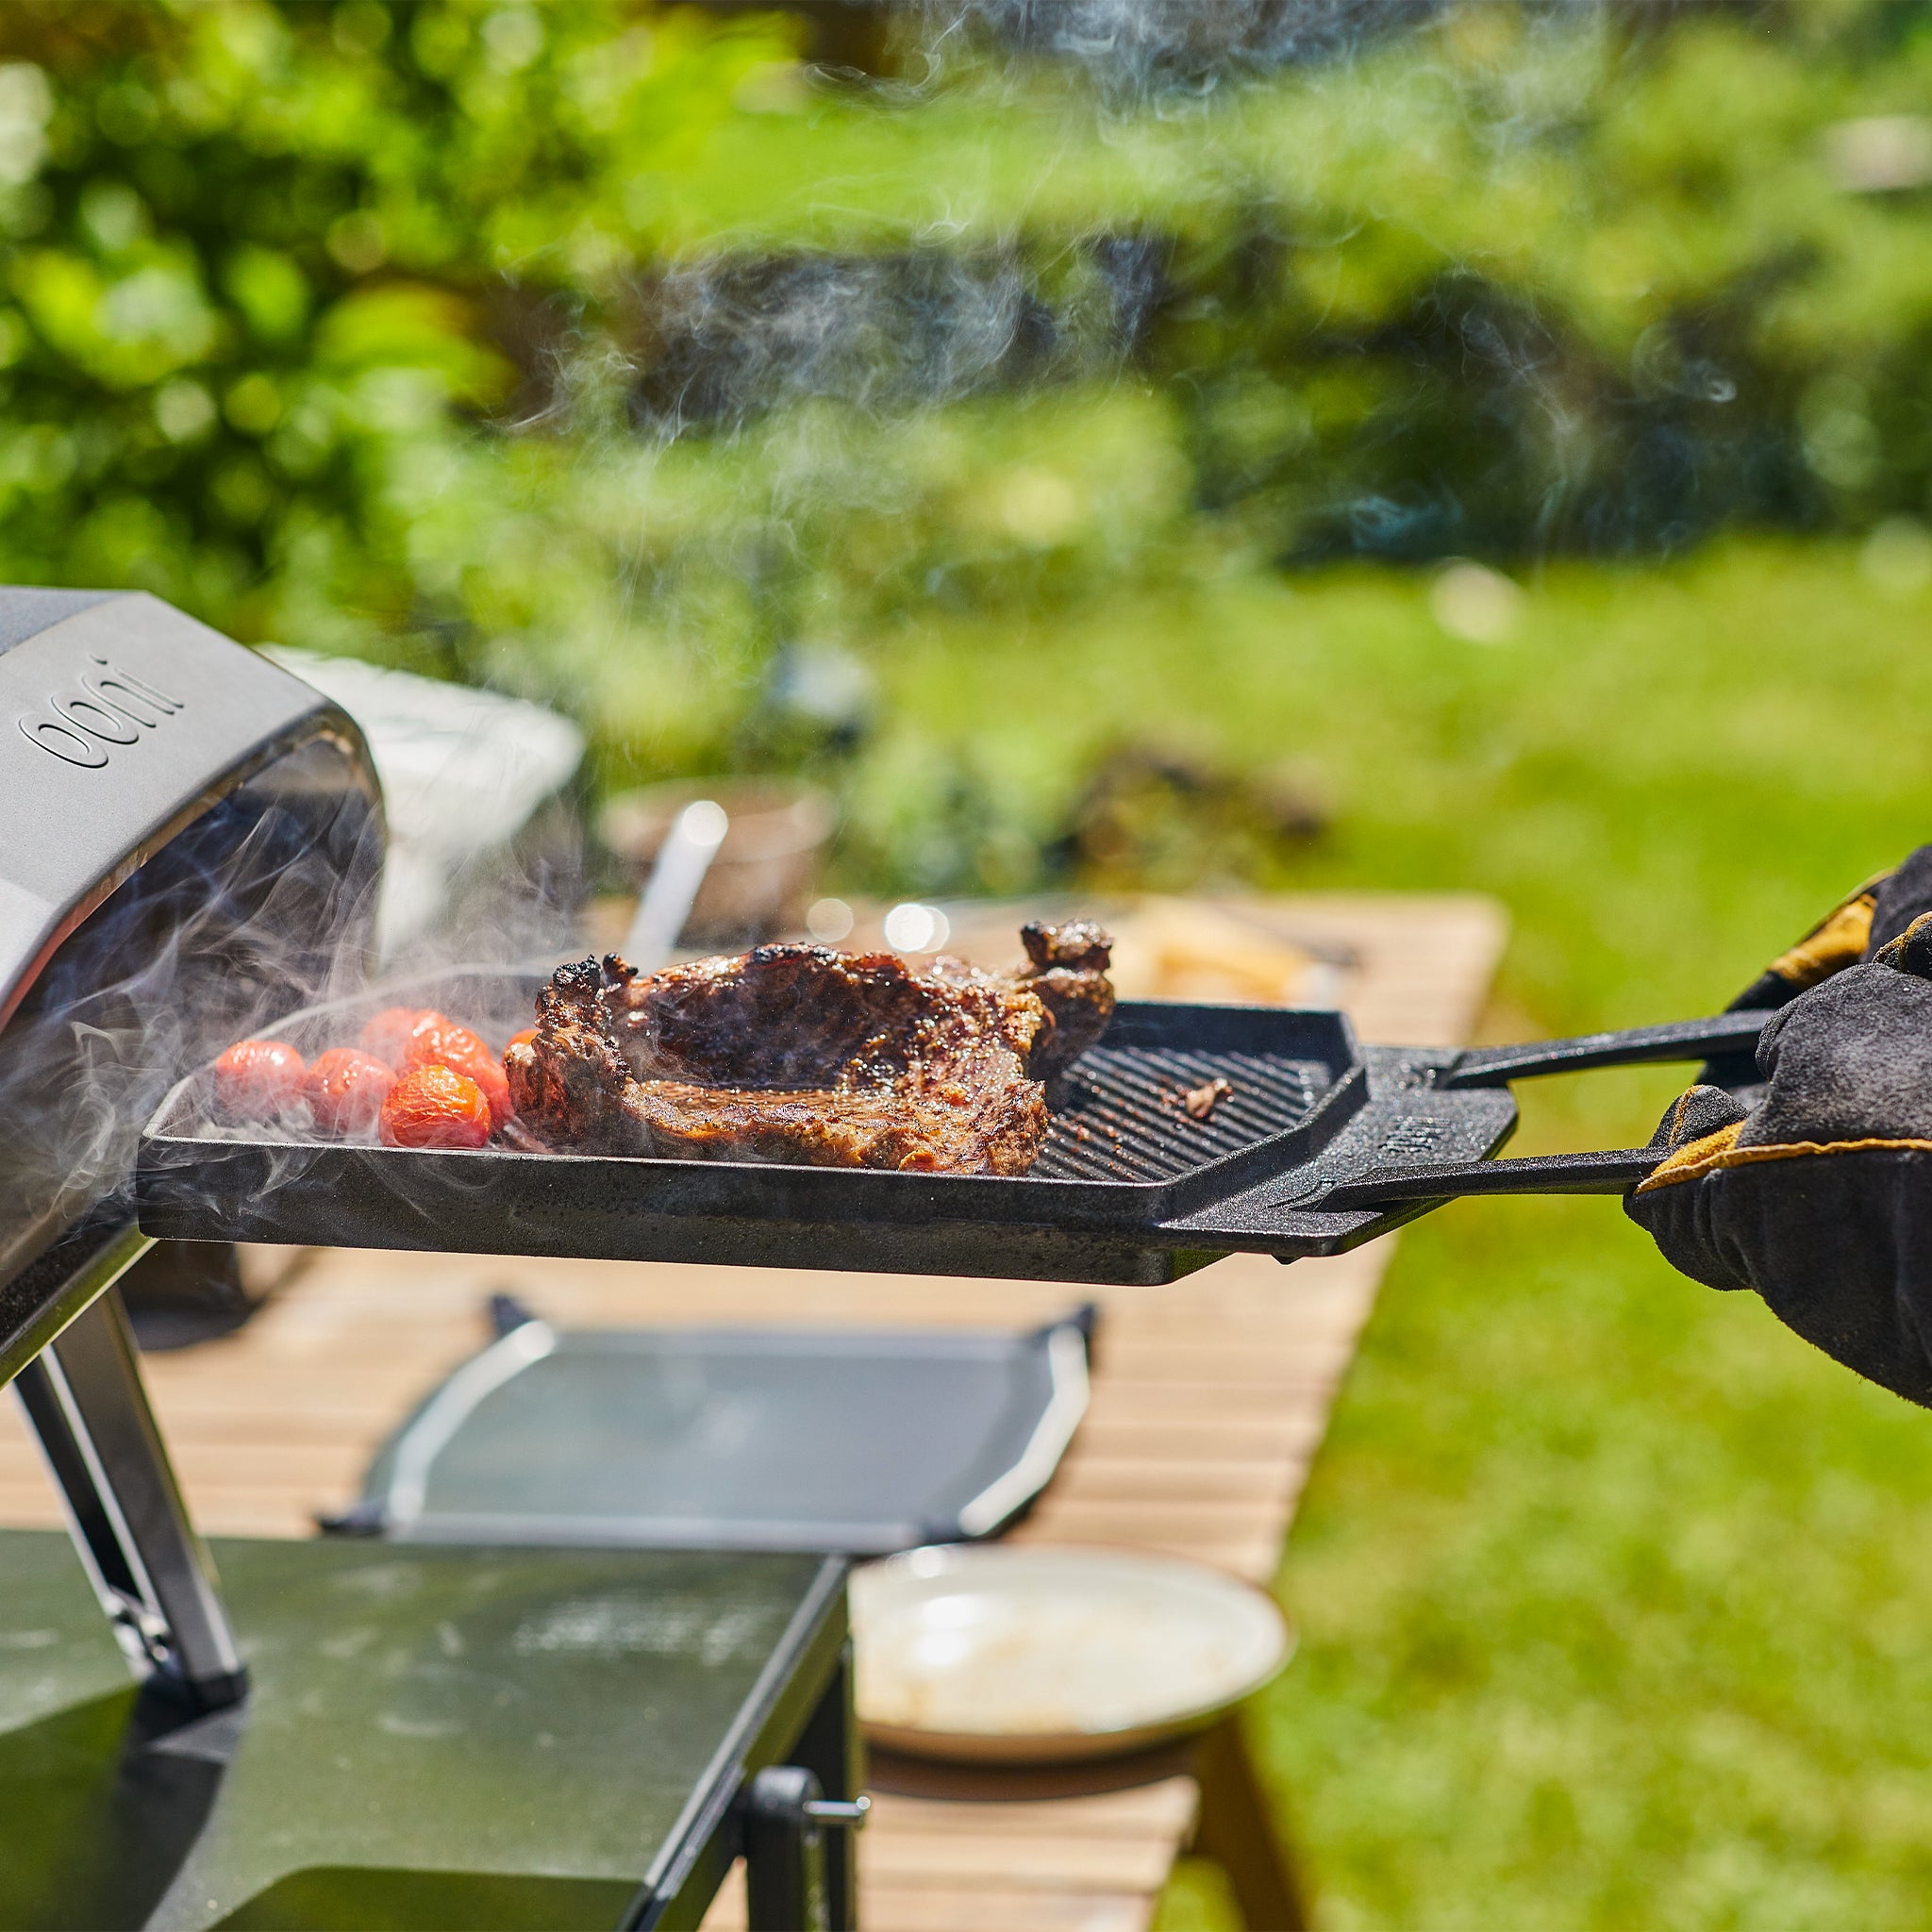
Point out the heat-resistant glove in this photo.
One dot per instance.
(1820, 1194)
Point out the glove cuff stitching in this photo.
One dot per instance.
(1716, 1151)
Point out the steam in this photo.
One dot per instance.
(765, 450)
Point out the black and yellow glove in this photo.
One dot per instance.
(1820, 1194)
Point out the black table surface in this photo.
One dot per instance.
(434, 1736)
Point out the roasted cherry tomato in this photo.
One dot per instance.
(257, 1079)
(346, 1090)
(435, 1107)
(522, 1039)
(448, 1044)
(389, 1034)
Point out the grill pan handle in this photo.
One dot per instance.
(1609, 1172)
(1627, 1046)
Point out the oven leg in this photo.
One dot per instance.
(86, 1401)
(784, 1853)
(830, 1746)
(801, 1866)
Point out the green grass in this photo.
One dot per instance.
(1615, 1598)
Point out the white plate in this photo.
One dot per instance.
(1014, 1653)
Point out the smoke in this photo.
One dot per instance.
(262, 905)
(1135, 48)
(1165, 287)
(729, 339)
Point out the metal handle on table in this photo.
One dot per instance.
(1626, 1046)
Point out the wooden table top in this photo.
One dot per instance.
(1209, 1400)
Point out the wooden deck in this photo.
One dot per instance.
(1210, 1398)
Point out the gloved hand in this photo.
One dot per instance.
(1820, 1195)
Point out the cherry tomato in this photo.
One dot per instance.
(448, 1044)
(388, 1035)
(257, 1079)
(434, 1107)
(522, 1039)
(346, 1090)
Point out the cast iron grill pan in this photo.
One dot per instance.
(1123, 1159)
(1320, 1145)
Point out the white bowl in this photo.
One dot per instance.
(1015, 1653)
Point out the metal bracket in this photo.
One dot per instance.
(85, 1400)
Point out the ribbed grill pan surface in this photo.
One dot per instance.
(1116, 1114)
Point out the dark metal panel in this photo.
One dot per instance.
(864, 1441)
(785, 1705)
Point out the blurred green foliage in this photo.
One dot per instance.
(264, 267)
(611, 354)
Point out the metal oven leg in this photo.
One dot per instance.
(801, 1864)
(86, 1401)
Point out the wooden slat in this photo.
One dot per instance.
(1206, 1401)
(1165, 1439)
(1167, 1806)
(1060, 1861)
(1113, 1479)
(920, 1906)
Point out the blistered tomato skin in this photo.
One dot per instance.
(346, 1090)
(435, 1107)
(389, 1036)
(449, 1044)
(259, 1079)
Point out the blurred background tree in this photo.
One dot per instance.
(629, 357)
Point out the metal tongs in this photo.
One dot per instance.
(1610, 1171)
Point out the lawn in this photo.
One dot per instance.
(1615, 1598)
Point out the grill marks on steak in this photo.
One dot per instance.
(802, 1053)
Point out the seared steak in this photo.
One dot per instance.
(1066, 966)
(801, 1054)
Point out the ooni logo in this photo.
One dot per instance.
(112, 707)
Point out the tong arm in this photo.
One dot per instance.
(1608, 1172)
(1626, 1046)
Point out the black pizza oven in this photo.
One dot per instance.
(189, 844)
